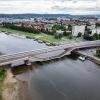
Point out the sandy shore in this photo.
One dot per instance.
(14, 89)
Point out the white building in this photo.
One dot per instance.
(76, 29)
(96, 30)
(59, 32)
(91, 26)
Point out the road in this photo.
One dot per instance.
(27, 55)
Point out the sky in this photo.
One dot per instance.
(79, 7)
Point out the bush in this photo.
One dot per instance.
(2, 74)
(79, 34)
(58, 36)
(69, 27)
(95, 36)
(67, 33)
(87, 36)
(58, 27)
(70, 37)
(98, 52)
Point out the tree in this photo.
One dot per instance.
(86, 28)
(99, 36)
(97, 24)
(58, 27)
(58, 36)
(79, 34)
(70, 36)
(95, 36)
(87, 36)
(21, 28)
(98, 52)
(69, 27)
(65, 33)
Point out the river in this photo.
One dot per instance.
(63, 79)
(13, 44)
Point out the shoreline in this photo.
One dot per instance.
(14, 89)
(41, 37)
(46, 38)
(89, 57)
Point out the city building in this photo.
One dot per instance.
(96, 30)
(76, 29)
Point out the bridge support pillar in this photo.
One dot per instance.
(26, 62)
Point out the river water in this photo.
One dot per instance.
(63, 79)
(14, 44)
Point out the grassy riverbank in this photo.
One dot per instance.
(97, 57)
(43, 37)
(2, 77)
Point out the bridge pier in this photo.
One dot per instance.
(26, 62)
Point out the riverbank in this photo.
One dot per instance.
(13, 89)
(90, 57)
(43, 37)
(2, 78)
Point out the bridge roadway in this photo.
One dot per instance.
(29, 55)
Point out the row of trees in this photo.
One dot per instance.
(32, 30)
(66, 32)
(60, 35)
(21, 28)
(61, 27)
(97, 24)
(58, 27)
(89, 36)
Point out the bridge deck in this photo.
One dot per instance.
(27, 55)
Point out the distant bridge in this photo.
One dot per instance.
(33, 55)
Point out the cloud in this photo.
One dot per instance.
(50, 6)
